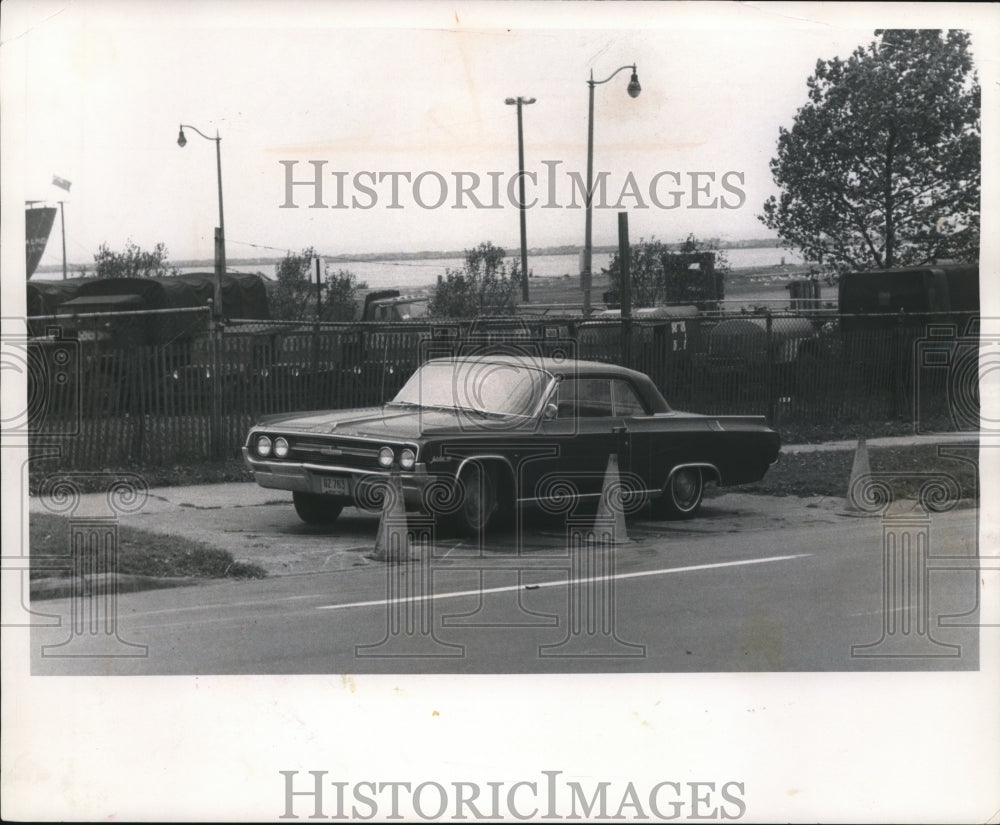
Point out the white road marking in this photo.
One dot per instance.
(562, 582)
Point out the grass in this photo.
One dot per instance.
(819, 432)
(169, 475)
(828, 473)
(566, 290)
(140, 554)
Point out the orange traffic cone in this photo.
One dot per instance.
(860, 469)
(611, 509)
(392, 542)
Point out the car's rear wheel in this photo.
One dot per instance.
(315, 508)
(682, 494)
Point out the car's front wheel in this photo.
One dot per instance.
(480, 503)
(682, 494)
(315, 508)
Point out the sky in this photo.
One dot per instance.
(372, 94)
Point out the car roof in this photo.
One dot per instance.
(557, 366)
(569, 368)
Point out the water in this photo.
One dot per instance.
(422, 273)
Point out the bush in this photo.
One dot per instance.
(293, 297)
(133, 262)
(486, 285)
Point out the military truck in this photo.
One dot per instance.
(390, 305)
(914, 296)
(117, 309)
(140, 339)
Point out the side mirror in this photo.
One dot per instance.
(551, 411)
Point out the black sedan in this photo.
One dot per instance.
(473, 438)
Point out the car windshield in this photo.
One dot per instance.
(500, 388)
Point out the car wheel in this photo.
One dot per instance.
(314, 508)
(480, 503)
(682, 495)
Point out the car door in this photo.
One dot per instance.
(634, 440)
(585, 431)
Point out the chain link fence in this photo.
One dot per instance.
(105, 401)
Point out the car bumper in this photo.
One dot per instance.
(302, 477)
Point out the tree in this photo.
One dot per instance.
(486, 285)
(654, 283)
(881, 166)
(293, 297)
(133, 262)
(340, 300)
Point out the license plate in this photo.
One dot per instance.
(335, 485)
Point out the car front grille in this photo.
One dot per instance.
(333, 451)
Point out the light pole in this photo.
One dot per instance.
(633, 90)
(519, 101)
(62, 224)
(220, 232)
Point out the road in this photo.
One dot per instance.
(754, 583)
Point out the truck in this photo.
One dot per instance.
(115, 309)
(914, 330)
(391, 305)
(914, 296)
(146, 339)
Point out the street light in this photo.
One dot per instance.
(633, 90)
(519, 101)
(220, 232)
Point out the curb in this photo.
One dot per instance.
(99, 584)
(888, 441)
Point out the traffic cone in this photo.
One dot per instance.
(392, 542)
(611, 509)
(860, 468)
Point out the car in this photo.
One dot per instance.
(472, 438)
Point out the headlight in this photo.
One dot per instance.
(386, 456)
(280, 447)
(263, 446)
(407, 459)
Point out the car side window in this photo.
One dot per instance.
(584, 398)
(627, 401)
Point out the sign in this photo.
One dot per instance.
(37, 226)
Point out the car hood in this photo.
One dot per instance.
(387, 422)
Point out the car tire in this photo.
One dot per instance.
(682, 494)
(315, 508)
(480, 502)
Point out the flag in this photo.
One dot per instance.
(62, 183)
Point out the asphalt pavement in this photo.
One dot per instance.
(742, 588)
(259, 525)
(755, 582)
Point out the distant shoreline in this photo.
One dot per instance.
(375, 257)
